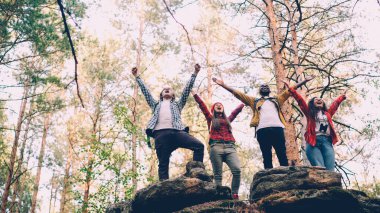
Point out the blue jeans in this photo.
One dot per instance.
(322, 154)
(225, 152)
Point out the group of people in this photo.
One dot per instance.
(170, 133)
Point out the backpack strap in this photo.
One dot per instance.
(254, 107)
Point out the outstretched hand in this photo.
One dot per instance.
(218, 81)
(134, 71)
(197, 68)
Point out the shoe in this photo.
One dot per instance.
(235, 196)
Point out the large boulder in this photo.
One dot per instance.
(280, 179)
(278, 190)
(122, 207)
(368, 204)
(194, 187)
(303, 189)
(220, 206)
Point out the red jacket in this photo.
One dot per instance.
(223, 133)
(310, 135)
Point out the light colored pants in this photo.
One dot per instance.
(225, 152)
(322, 154)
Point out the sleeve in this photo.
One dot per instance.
(203, 107)
(301, 102)
(283, 96)
(334, 106)
(186, 92)
(148, 96)
(247, 100)
(235, 112)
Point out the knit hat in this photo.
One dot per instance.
(213, 106)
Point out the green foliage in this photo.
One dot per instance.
(48, 105)
(122, 114)
(36, 23)
(3, 148)
(371, 189)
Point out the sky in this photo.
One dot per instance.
(99, 23)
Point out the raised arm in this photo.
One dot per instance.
(334, 106)
(301, 102)
(247, 100)
(236, 111)
(148, 96)
(186, 91)
(203, 107)
(282, 97)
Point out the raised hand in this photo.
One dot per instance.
(197, 68)
(134, 71)
(218, 81)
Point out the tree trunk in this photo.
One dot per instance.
(88, 179)
(18, 183)
(90, 162)
(40, 161)
(280, 74)
(66, 178)
(134, 111)
(51, 191)
(299, 71)
(13, 156)
(135, 98)
(209, 78)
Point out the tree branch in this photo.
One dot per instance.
(183, 26)
(72, 50)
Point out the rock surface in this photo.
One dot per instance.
(280, 179)
(278, 190)
(194, 187)
(225, 206)
(303, 189)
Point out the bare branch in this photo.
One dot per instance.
(299, 10)
(72, 49)
(183, 26)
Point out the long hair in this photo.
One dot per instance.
(215, 122)
(314, 110)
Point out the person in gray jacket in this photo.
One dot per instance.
(166, 126)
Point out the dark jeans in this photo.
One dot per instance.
(272, 136)
(168, 140)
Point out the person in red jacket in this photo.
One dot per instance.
(320, 133)
(222, 142)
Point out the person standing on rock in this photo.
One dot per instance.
(222, 142)
(166, 126)
(267, 119)
(320, 134)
